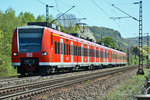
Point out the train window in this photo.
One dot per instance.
(101, 54)
(58, 47)
(97, 53)
(67, 49)
(89, 52)
(86, 52)
(64, 48)
(76, 50)
(61, 48)
(105, 54)
(73, 50)
(51, 39)
(83, 51)
(80, 51)
(55, 47)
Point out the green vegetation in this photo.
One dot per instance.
(109, 41)
(129, 89)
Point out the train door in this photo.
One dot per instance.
(61, 40)
(71, 52)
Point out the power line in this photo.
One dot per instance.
(100, 8)
(62, 14)
(41, 2)
(56, 5)
(125, 13)
(124, 3)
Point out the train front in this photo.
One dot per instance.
(28, 49)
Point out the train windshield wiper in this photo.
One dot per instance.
(29, 44)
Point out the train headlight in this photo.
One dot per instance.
(44, 53)
(15, 54)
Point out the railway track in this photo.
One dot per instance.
(31, 89)
(2, 79)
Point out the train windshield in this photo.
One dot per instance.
(30, 40)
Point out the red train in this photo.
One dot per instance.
(38, 49)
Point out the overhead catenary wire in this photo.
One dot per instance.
(57, 5)
(100, 8)
(125, 12)
(106, 13)
(41, 2)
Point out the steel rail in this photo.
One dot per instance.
(60, 83)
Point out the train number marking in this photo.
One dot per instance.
(29, 54)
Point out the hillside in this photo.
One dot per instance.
(135, 40)
(100, 32)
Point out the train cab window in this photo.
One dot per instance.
(55, 47)
(58, 47)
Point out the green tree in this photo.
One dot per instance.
(9, 22)
(41, 18)
(110, 42)
(62, 29)
(26, 17)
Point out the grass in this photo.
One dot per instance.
(129, 89)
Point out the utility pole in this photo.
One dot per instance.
(140, 67)
(147, 57)
(47, 12)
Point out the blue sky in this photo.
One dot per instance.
(97, 15)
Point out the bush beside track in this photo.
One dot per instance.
(130, 88)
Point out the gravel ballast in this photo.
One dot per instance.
(33, 79)
(89, 90)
